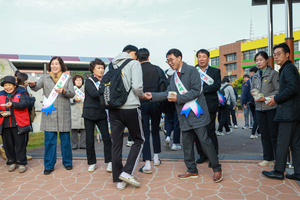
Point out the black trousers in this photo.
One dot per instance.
(255, 122)
(223, 115)
(211, 132)
(14, 146)
(233, 115)
(269, 133)
(90, 140)
(132, 119)
(288, 135)
(208, 148)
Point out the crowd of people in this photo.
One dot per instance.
(190, 96)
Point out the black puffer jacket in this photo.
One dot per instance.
(288, 98)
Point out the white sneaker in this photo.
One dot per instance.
(259, 135)
(167, 142)
(253, 136)
(220, 133)
(235, 126)
(129, 143)
(245, 127)
(266, 163)
(92, 168)
(251, 127)
(176, 147)
(22, 168)
(109, 167)
(229, 131)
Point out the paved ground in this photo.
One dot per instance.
(239, 156)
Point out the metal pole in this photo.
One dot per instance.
(289, 39)
(270, 33)
(45, 68)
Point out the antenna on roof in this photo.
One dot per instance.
(251, 28)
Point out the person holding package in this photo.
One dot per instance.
(58, 88)
(14, 123)
(76, 111)
(266, 82)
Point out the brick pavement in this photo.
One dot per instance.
(241, 181)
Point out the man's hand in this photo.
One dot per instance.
(272, 101)
(173, 97)
(261, 99)
(77, 99)
(8, 105)
(147, 95)
(245, 106)
(60, 90)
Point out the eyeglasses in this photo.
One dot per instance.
(169, 61)
(277, 54)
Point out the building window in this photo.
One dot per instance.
(265, 49)
(247, 70)
(231, 78)
(214, 61)
(247, 55)
(297, 64)
(231, 66)
(230, 57)
(296, 45)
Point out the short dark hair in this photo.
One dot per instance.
(176, 53)
(61, 62)
(77, 76)
(95, 62)
(263, 54)
(253, 69)
(143, 54)
(225, 80)
(203, 51)
(284, 46)
(21, 78)
(246, 75)
(17, 72)
(129, 48)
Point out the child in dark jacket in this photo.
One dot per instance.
(14, 123)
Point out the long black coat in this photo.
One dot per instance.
(288, 98)
(92, 108)
(210, 91)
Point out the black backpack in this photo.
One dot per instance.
(113, 94)
(163, 83)
(221, 96)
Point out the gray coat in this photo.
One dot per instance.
(191, 80)
(76, 111)
(59, 120)
(268, 85)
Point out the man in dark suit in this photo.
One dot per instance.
(212, 101)
(287, 114)
(185, 91)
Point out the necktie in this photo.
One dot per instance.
(178, 73)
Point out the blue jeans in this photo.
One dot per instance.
(172, 124)
(246, 116)
(50, 149)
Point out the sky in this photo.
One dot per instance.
(102, 28)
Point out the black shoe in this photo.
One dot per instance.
(69, 167)
(209, 165)
(293, 176)
(74, 148)
(48, 171)
(82, 148)
(201, 160)
(273, 174)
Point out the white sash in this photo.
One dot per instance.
(79, 92)
(205, 77)
(48, 102)
(191, 105)
(97, 84)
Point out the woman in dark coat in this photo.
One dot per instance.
(94, 114)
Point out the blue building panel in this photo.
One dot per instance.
(35, 57)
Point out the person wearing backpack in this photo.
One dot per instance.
(150, 110)
(227, 91)
(127, 115)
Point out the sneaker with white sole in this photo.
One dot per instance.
(176, 147)
(229, 131)
(235, 126)
(266, 163)
(22, 168)
(245, 127)
(122, 185)
(220, 133)
(92, 168)
(12, 167)
(130, 180)
(167, 142)
(253, 136)
(109, 167)
(129, 143)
